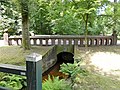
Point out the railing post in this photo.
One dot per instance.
(114, 38)
(34, 71)
(5, 36)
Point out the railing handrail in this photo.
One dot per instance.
(60, 37)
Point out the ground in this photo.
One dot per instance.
(103, 59)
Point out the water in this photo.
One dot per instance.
(54, 71)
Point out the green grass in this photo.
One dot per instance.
(16, 55)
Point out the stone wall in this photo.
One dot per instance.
(65, 48)
(49, 59)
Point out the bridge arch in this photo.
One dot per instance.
(66, 57)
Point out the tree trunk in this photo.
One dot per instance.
(25, 25)
(86, 31)
(114, 18)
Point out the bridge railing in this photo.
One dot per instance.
(65, 40)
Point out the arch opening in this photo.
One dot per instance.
(65, 57)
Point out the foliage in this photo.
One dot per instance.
(39, 19)
(14, 82)
(55, 84)
(75, 71)
(62, 17)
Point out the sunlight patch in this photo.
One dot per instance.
(106, 61)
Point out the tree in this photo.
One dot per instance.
(87, 10)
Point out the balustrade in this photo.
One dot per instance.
(48, 40)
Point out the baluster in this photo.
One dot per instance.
(59, 41)
(17, 42)
(46, 42)
(34, 42)
(40, 41)
(97, 42)
(81, 42)
(70, 41)
(75, 41)
(111, 41)
(88, 41)
(92, 42)
(64, 41)
(10, 42)
(107, 41)
(102, 41)
(53, 41)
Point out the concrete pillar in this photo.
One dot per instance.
(6, 38)
(34, 71)
(114, 38)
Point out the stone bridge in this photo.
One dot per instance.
(63, 46)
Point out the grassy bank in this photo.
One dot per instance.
(16, 55)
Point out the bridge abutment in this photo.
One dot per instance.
(57, 53)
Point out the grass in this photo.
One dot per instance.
(98, 82)
(16, 55)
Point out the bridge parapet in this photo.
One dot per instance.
(48, 40)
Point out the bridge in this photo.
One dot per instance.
(62, 45)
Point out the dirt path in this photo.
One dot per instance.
(103, 59)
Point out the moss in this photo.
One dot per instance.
(16, 55)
